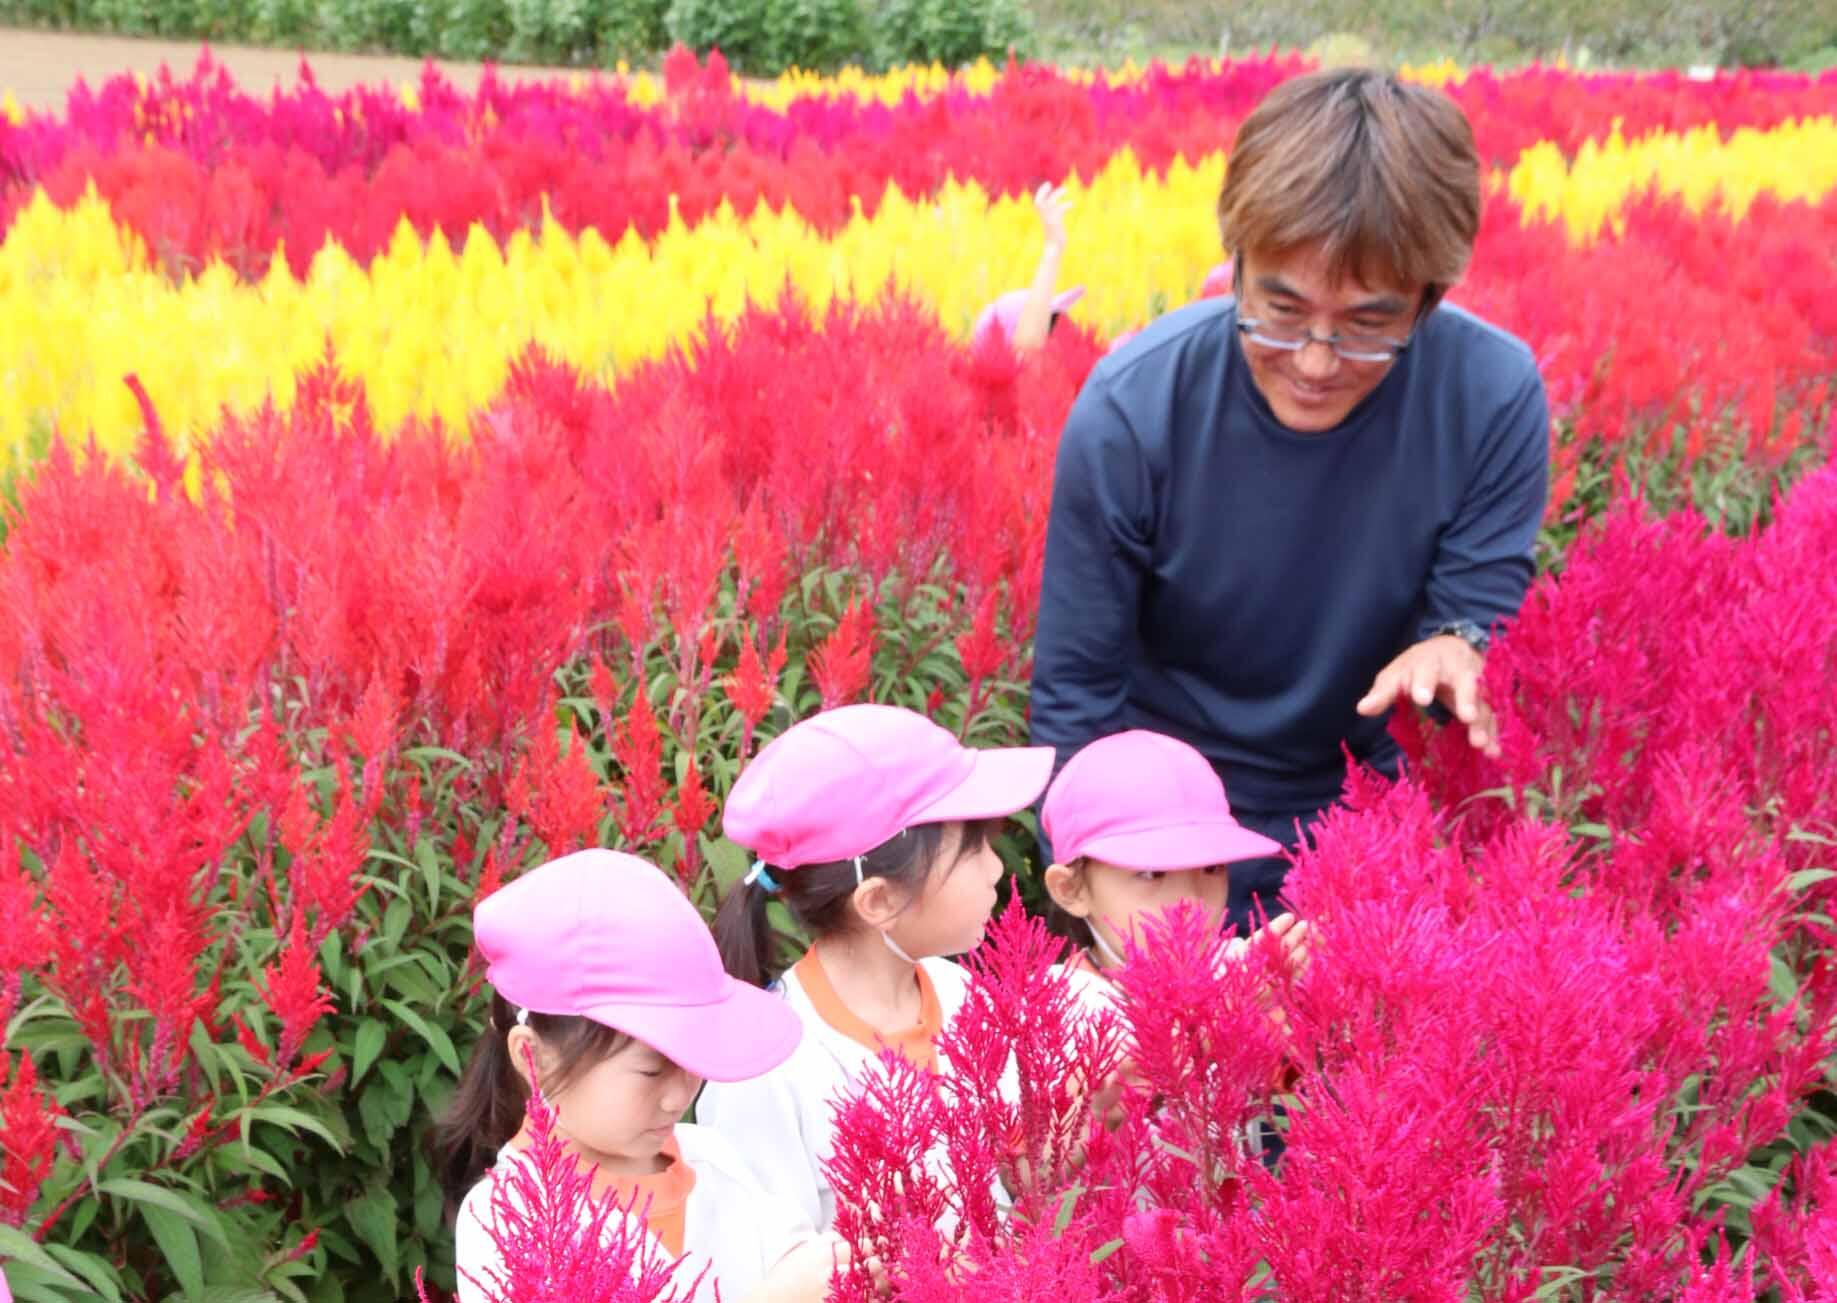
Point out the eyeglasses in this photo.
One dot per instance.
(1292, 339)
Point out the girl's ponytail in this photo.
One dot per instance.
(743, 933)
(487, 1106)
(818, 896)
(485, 1111)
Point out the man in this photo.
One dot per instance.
(1276, 515)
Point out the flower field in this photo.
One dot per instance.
(406, 486)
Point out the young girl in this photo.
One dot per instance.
(868, 823)
(1027, 316)
(1137, 821)
(606, 974)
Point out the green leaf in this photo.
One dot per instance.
(727, 860)
(98, 1272)
(193, 1211)
(32, 1284)
(436, 753)
(411, 982)
(295, 1121)
(1067, 1205)
(178, 1243)
(1782, 981)
(373, 1218)
(436, 1038)
(396, 919)
(429, 860)
(15, 1243)
(1104, 1250)
(267, 1162)
(82, 1219)
(369, 1043)
(373, 1111)
(1809, 877)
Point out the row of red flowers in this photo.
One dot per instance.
(293, 168)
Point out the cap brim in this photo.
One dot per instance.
(1063, 301)
(743, 1035)
(1173, 847)
(1001, 782)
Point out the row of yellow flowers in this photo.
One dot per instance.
(1588, 193)
(432, 330)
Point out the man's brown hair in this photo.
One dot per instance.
(1382, 174)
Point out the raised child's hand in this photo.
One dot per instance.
(1050, 203)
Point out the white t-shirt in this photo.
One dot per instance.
(783, 1123)
(1092, 992)
(731, 1227)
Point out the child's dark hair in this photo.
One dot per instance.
(1062, 922)
(818, 895)
(486, 1109)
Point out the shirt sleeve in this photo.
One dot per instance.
(1099, 543)
(476, 1258)
(1484, 562)
(761, 1121)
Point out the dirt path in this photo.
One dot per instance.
(39, 68)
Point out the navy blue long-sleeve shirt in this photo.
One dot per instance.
(1213, 575)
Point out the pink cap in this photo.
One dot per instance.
(607, 936)
(1005, 313)
(1145, 801)
(1218, 281)
(843, 782)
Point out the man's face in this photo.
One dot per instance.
(1313, 389)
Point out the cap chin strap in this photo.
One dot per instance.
(897, 949)
(1110, 957)
(891, 944)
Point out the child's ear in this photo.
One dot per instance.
(879, 902)
(1070, 890)
(522, 1043)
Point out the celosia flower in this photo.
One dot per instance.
(842, 664)
(291, 991)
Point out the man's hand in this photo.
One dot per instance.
(1445, 669)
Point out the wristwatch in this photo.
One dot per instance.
(1467, 631)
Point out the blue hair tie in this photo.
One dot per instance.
(759, 874)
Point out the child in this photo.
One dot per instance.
(869, 827)
(606, 973)
(1027, 316)
(1137, 821)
